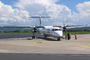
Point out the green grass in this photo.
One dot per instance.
(79, 32)
(39, 33)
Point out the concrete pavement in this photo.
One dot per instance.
(50, 45)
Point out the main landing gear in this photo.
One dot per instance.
(33, 37)
(34, 30)
(45, 36)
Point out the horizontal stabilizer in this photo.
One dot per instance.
(39, 17)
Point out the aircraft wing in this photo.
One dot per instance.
(16, 27)
(21, 27)
(39, 26)
(57, 26)
(74, 25)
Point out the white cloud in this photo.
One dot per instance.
(45, 8)
(59, 13)
(84, 13)
(84, 9)
(8, 15)
(23, 3)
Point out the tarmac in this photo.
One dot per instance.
(49, 45)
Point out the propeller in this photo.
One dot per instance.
(35, 30)
(64, 27)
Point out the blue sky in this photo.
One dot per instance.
(69, 3)
(68, 11)
(8, 2)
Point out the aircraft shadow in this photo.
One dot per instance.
(47, 39)
(29, 39)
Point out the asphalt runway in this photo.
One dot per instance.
(6, 36)
(22, 47)
(10, 56)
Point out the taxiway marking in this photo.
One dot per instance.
(39, 42)
(84, 46)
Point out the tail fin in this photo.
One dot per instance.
(39, 18)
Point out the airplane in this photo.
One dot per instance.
(54, 31)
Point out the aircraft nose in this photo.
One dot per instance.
(59, 33)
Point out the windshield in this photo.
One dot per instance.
(56, 29)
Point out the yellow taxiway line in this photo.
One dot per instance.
(39, 42)
(84, 46)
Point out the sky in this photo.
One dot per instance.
(71, 12)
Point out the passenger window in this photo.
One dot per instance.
(56, 29)
(59, 29)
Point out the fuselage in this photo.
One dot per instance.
(51, 31)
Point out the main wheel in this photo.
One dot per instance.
(45, 36)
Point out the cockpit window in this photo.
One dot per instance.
(56, 29)
(59, 29)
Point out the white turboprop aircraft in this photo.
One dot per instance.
(55, 31)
